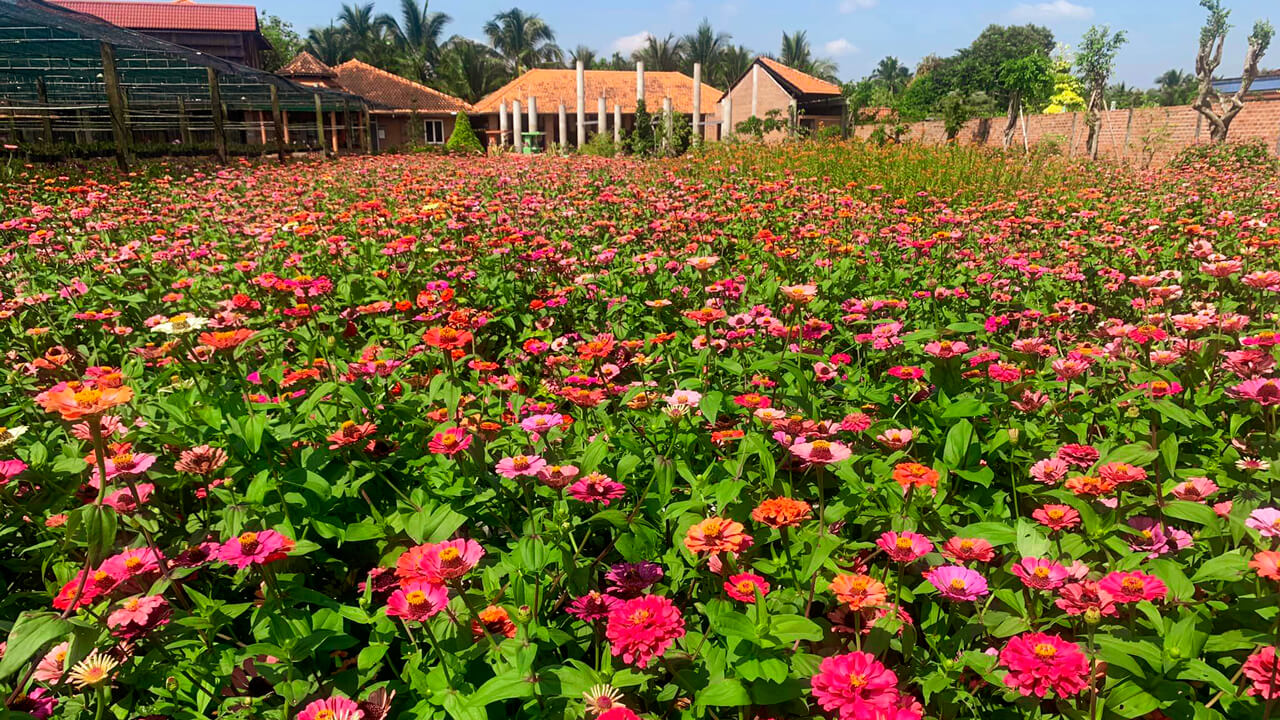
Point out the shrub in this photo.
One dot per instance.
(599, 145)
(1249, 154)
(463, 139)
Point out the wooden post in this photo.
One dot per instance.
(1128, 128)
(1071, 144)
(1199, 121)
(46, 115)
(262, 127)
(319, 122)
(333, 130)
(83, 135)
(277, 122)
(284, 119)
(697, 103)
(368, 129)
(184, 122)
(1022, 118)
(219, 116)
(346, 122)
(115, 104)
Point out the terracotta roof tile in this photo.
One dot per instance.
(394, 91)
(552, 86)
(304, 64)
(803, 82)
(168, 15)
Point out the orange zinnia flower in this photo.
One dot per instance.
(446, 337)
(859, 591)
(915, 475)
(226, 339)
(1090, 485)
(781, 512)
(716, 534)
(75, 400)
(1267, 564)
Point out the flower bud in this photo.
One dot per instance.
(1093, 616)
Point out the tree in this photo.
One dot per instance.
(469, 70)
(1212, 37)
(1095, 61)
(706, 46)
(977, 67)
(417, 35)
(734, 63)
(523, 39)
(284, 41)
(329, 44)
(796, 53)
(1175, 87)
(1026, 80)
(892, 74)
(958, 109)
(463, 138)
(360, 26)
(640, 141)
(582, 54)
(1067, 91)
(663, 54)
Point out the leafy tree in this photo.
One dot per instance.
(1175, 87)
(523, 39)
(958, 109)
(1067, 91)
(469, 70)
(892, 74)
(1212, 37)
(417, 36)
(463, 138)
(1026, 80)
(582, 54)
(1095, 61)
(662, 54)
(706, 46)
(360, 26)
(329, 44)
(797, 53)
(977, 68)
(640, 141)
(734, 63)
(284, 41)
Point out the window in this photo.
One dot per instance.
(434, 131)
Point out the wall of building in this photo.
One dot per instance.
(1142, 136)
(769, 96)
(393, 130)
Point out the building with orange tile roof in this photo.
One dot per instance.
(768, 86)
(608, 95)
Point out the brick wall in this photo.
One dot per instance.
(1141, 136)
(769, 96)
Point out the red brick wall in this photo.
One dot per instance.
(1139, 136)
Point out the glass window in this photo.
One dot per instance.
(434, 131)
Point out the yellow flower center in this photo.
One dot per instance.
(957, 584)
(857, 681)
(1132, 584)
(1045, 651)
(249, 541)
(449, 554)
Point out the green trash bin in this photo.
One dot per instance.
(532, 142)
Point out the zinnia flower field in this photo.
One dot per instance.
(803, 431)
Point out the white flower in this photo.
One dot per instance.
(181, 324)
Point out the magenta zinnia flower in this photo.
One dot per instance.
(905, 546)
(255, 548)
(956, 583)
(1264, 391)
(742, 587)
(1134, 586)
(438, 563)
(418, 600)
(1039, 663)
(596, 488)
(1260, 668)
(855, 686)
(1266, 521)
(1040, 573)
(512, 467)
(332, 708)
(643, 628)
(821, 452)
(593, 606)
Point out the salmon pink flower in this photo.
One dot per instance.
(417, 600)
(1039, 663)
(1267, 564)
(821, 452)
(957, 583)
(904, 547)
(914, 475)
(513, 467)
(715, 535)
(1057, 517)
(1264, 391)
(743, 587)
(446, 338)
(1040, 573)
(1134, 586)
(450, 442)
(255, 548)
(1049, 471)
(1077, 598)
(138, 615)
(201, 460)
(593, 606)
(855, 686)
(1079, 456)
(896, 439)
(1266, 520)
(438, 563)
(350, 433)
(643, 628)
(596, 487)
(1261, 670)
(781, 512)
(1195, 489)
(858, 591)
(964, 550)
(54, 663)
(77, 400)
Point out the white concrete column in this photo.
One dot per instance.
(727, 126)
(533, 114)
(517, 139)
(582, 103)
(639, 80)
(794, 118)
(562, 139)
(617, 124)
(697, 102)
(602, 117)
(668, 121)
(755, 90)
(503, 129)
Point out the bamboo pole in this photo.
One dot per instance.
(319, 123)
(277, 123)
(115, 104)
(46, 115)
(219, 116)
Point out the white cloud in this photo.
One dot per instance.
(1050, 11)
(628, 44)
(840, 47)
(848, 6)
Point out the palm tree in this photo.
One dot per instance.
(1176, 87)
(706, 46)
(583, 53)
(523, 39)
(360, 26)
(417, 36)
(735, 61)
(797, 54)
(328, 44)
(661, 53)
(469, 70)
(892, 74)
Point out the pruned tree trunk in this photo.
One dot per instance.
(1011, 124)
(1228, 105)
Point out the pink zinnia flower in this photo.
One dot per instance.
(643, 628)
(1057, 517)
(593, 606)
(595, 487)
(1134, 586)
(904, 547)
(332, 708)
(743, 586)
(438, 563)
(1195, 489)
(1050, 470)
(1040, 573)
(255, 548)
(1264, 391)
(1265, 520)
(542, 424)
(123, 500)
(10, 469)
(1078, 598)
(1081, 456)
(450, 442)
(53, 664)
(895, 439)
(958, 549)
(957, 583)
(821, 452)
(138, 616)
(1039, 663)
(417, 600)
(855, 686)
(1261, 669)
(512, 467)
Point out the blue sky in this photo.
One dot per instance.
(855, 33)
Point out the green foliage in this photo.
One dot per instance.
(758, 127)
(284, 40)
(958, 109)
(599, 145)
(640, 141)
(463, 138)
(1029, 78)
(1235, 156)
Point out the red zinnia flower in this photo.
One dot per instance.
(643, 628)
(855, 686)
(1039, 663)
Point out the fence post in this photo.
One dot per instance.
(184, 123)
(277, 122)
(319, 123)
(219, 116)
(617, 124)
(580, 84)
(346, 122)
(46, 115)
(1128, 128)
(367, 135)
(562, 118)
(333, 130)
(115, 104)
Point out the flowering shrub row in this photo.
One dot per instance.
(720, 437)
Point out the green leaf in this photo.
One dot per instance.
(30, 633)
(789, 628)
(966, 407)
(710, 405)
(1192, 511)
(501, 687)
(1180, 588)
(959, 438)
(1030, 542)
(726, 621)
(724, 693)
(993, 532)
(1225, 567)
(1130, 701)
